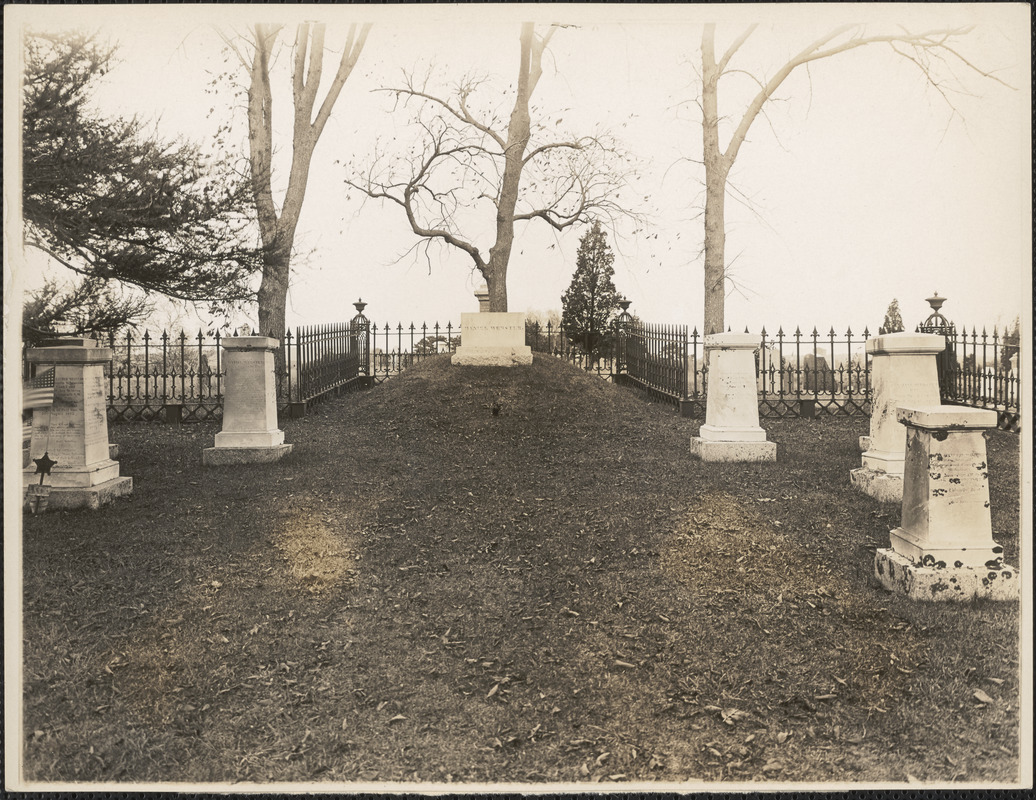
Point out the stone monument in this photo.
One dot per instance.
(482, 295)
(492, 338)
(250, 434)
(73, 434)
(944, 547)
(731, 431)
(903, 373)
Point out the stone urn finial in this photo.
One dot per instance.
(935, 301)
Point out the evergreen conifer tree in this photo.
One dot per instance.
(591, 301)
(893, 319)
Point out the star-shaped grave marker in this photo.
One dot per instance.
(44, 465)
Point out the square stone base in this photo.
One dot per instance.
(78, 477)
(981, 553)
(221, 456)
(733, 451)
(727, 433)
(249, 439)
(899, 574)
(882, 486)
(492, 356)
(91, 497)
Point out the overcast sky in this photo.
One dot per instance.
(864, 185)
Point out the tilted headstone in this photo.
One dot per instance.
(250, 434)
(731, 431)
(944, 547)
(492, 339)
(903, 373)
(74, 433)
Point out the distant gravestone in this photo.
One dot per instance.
(944, 547)
(816, 373)
(731, 431)
(482, 295)
(903, 373)
(492, 339)
(250, 434)
(74, 433)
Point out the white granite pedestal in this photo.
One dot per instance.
(944, 547)
(74, 434)
(903, 373)
(492, 339)
(250, 434)
(731, 431)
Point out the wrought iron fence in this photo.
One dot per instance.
(320, 360)
(172, 376)
(393, 349)
(981, 370)
(810, 374)
(178, 377)
(181, 378)
(653, 358)
(550, 339)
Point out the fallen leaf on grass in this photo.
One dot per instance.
(494, 690)
(397, 718)
(732, 715)
(773, 766)
(624, 664)
(982, 697)
(782, 737)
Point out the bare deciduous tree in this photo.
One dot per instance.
(278, 229)
(466, 163)
(934, 52)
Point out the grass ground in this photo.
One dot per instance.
(423, 591)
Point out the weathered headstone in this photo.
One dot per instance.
(816, 373)
(492, 339)
(250, 434)
(731, 431)
(944, 547)
(74, 432)
(903, 373)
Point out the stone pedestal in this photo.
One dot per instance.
(482, 295)
(250, 434)
(903, 373)
(74, 432)
(731, 431)
(944, 547)
(492, 339)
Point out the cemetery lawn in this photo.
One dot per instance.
(423, 591)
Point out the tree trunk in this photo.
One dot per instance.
(273, 292)
(517, 142)
(716, 169)
(496, 278)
